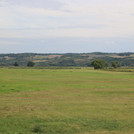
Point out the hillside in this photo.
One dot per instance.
(69, 59)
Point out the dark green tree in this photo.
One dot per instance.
(115, 64)
(30, 64)
(98, 64)
(16, 64)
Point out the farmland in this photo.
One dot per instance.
(66, 101)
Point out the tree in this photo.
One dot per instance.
(16, 64)
(30, 64)
(98, 64)
(115, 64)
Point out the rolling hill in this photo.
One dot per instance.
(68, 59)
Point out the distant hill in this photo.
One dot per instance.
(68, 59)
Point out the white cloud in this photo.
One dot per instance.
(51, 4)
(66, 18)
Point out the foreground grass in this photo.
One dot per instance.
(66, 101)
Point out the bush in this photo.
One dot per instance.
(115, 64)
(30, 64)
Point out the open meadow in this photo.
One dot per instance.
(66, 101)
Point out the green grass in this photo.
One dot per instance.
(66, 101)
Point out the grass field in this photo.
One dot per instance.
(66, 101)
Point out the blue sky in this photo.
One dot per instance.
(63, 26)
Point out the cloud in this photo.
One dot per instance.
(66, 18)
(47, 4)
(90, 26)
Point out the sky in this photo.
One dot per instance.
(66, 26)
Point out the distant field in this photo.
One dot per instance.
(66, 101)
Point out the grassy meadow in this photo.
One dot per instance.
(66, 101)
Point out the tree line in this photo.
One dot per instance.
(97, 64)
(101, 64)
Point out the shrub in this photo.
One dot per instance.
(30, 64)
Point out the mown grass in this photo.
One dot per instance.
(66, 101)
